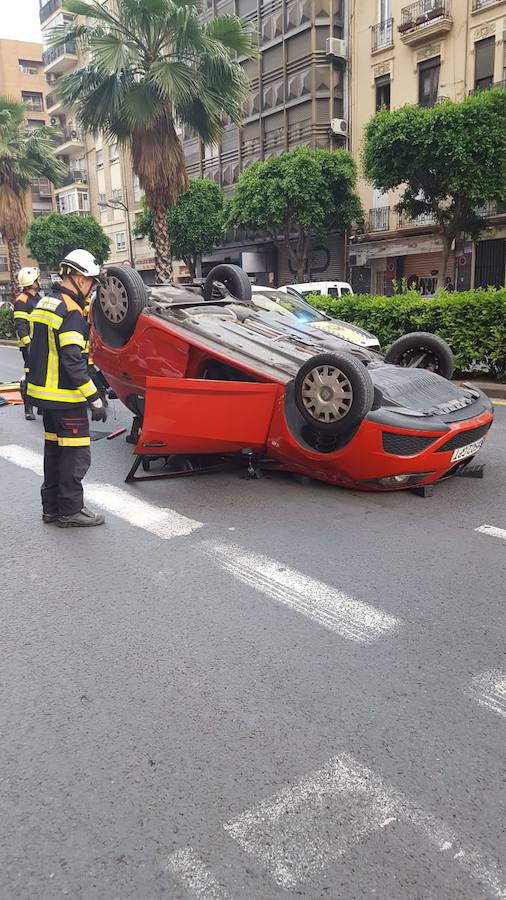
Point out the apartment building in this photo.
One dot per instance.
(22, 79)
(421, 52)
(100, 180)
(298, 95)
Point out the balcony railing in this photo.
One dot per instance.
(379, 218)
(52, 100)
(75, 176)
(404, 221)
(70, 134)
(49, 56)
(48, 9)
(383, 35)
(423, 13)
(494, 208)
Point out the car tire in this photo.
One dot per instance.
(422, 350)
(347, 387)
(118, 305)
(233, 278)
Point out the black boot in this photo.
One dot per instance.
(29, 413)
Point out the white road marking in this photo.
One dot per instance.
(489, 689)
(23, 457)
(164, 523)
(296, 833)
(492, 531)
(347, 617)
(188, 867)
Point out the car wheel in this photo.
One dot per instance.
(333, 392)
(233, 278)
(119, 302)
(422, 350)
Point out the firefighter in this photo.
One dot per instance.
(59, 382)
(28, 280)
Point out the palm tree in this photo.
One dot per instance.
(153, 66)
(25, 154)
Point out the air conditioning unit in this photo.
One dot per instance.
(339, 126)
(54, 121)
(336, 47)
(74, 134)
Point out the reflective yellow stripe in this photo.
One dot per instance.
(74, 442)
(42, 393)
(90, 361)
(26, 370)
(88, 389)
(44, 317)
(71, 337)
(49, 436)
(24, 340)
(22, 315)
(52, 374)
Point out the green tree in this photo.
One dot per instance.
(448, 161)
(295, 197)
(25, 154)
(153, 63)
(195, 223)
(50, 238)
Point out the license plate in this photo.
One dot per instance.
(468, 450)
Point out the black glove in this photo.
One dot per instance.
(98, 411)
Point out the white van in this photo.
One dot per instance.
(331, 288)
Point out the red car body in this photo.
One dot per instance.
(159, 373)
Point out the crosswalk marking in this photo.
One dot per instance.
(492, 531)
(164, 523)
(189, 868)
(351, 619)
(298, 832)
(489, 689)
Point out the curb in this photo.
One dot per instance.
(6, 343)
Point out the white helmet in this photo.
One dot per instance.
(80, 262)
(28, 276)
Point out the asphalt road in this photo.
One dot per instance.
(251, 690)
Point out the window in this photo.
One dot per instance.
(73, 201)
(29, 67)
(484, 58)
(384, 10)
(137, 188)
(4, 264)
(102, 198)
(41, 186)
(113, 153)
(35, 123)
(32, 101)
(117, 195)
(100, 158)
(428, 81)
(383, 92)
(120, 237)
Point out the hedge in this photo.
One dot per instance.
(6, 322)
(472, 322)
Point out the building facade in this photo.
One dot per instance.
(100, 180)
(421, 52)
(298, 96)
(22, 79)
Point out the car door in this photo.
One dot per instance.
(193, 415)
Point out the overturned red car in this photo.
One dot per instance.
(211, 373)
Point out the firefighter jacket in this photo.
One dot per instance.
(59, 374)
(23, 306)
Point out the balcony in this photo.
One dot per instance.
(425, 20)
(379, 219)
(382, 36)
(53, 104)
(47, 10)
(491, 210)
(70, 140)
(73, 202)
(60, 60)
(74, 177)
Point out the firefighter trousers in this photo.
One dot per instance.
(67, 458)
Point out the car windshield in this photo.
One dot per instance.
(278, 301)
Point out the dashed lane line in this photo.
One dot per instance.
(190, 870)
(295, 834)
(164, 523)
(349, 618)
(492, 531)
(489, 690)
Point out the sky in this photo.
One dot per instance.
(19, 20)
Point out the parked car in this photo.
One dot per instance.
(222, 376)
(335, 289)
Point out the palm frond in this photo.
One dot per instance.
(229, 32)
(65, 34)
(142, 106)
(175, 81)
(111, 53)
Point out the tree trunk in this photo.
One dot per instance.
(14, 265)
(163, 260)
(190, 265)
(445, 256)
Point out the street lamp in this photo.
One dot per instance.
(114, 204)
